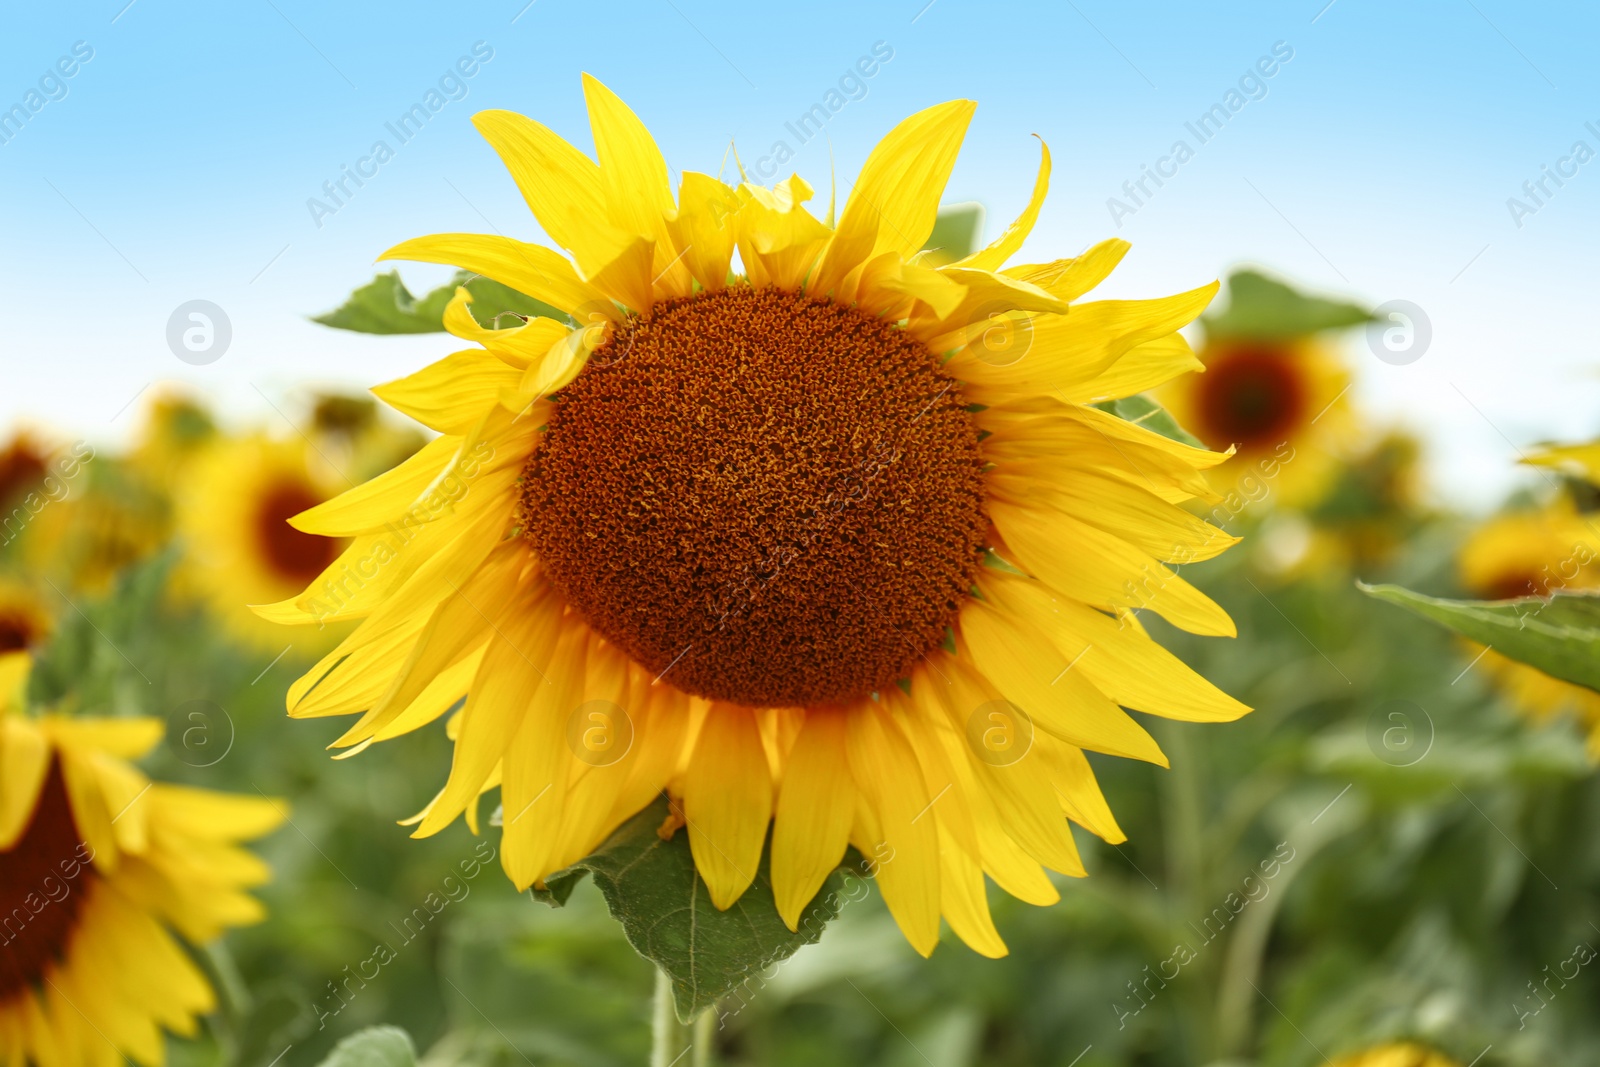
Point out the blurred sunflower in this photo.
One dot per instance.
(1282, 402)
(26, 620)
(176, 429)
(1369, 512)
(99, 869)
(24, 463)
(356, 439)
(803, 543)
(1526, 554)
(232, 510)
(1399, 1054)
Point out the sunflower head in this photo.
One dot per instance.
(26, 621)
(102, 873)
(833, 529)
(239, 549)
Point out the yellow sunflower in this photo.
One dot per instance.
(100, 868)
(237, 546)
(1535, 553)
(177, 428)
(26, 619)
(1282, 402)
(1398, 1054)
(836, 545)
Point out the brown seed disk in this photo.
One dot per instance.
(37, 895)
(1255, 396)
(774, 499)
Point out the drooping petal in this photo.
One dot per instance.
(816, 803)
(727, 802)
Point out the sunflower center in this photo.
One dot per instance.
(43, 884)
(1252, 398)
(296, 556)
(19, 630)
(768, 498)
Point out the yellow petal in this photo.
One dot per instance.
(1122, 661)
(963, 901)
(816, 803)
(704, 228)
(634, 177)
(501, 696)
(727, 802)
(893, 828)
(1002, 248)
(895, 200)
(560, 184)
(1102, 570)
(24, 761)
(452, 394)
(1031, 673)
(1069, 279)
(530, 269)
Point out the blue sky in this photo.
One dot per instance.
(177, 162)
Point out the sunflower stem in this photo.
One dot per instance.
(669, 1037)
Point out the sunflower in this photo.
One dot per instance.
(238, 548)
(1398, 1054)
(100, 868)
(26, 620)
(837, 544)
(1281, 401)
(1536, 553)
(177, 428)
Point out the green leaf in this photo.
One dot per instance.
(1560, 636)
(376, 1046)
(1259, 306)
(1152, 416)
(652, 888)
(385, 306)
(957, 231)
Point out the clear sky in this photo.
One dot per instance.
(176, 163)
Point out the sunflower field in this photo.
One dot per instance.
(786, 622)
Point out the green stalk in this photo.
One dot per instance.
(669, 1037)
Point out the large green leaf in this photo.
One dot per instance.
(376, 1046)
(1150, 415)
(1560, 636)
(1259, 306)
(384, 305)
(650, 885)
